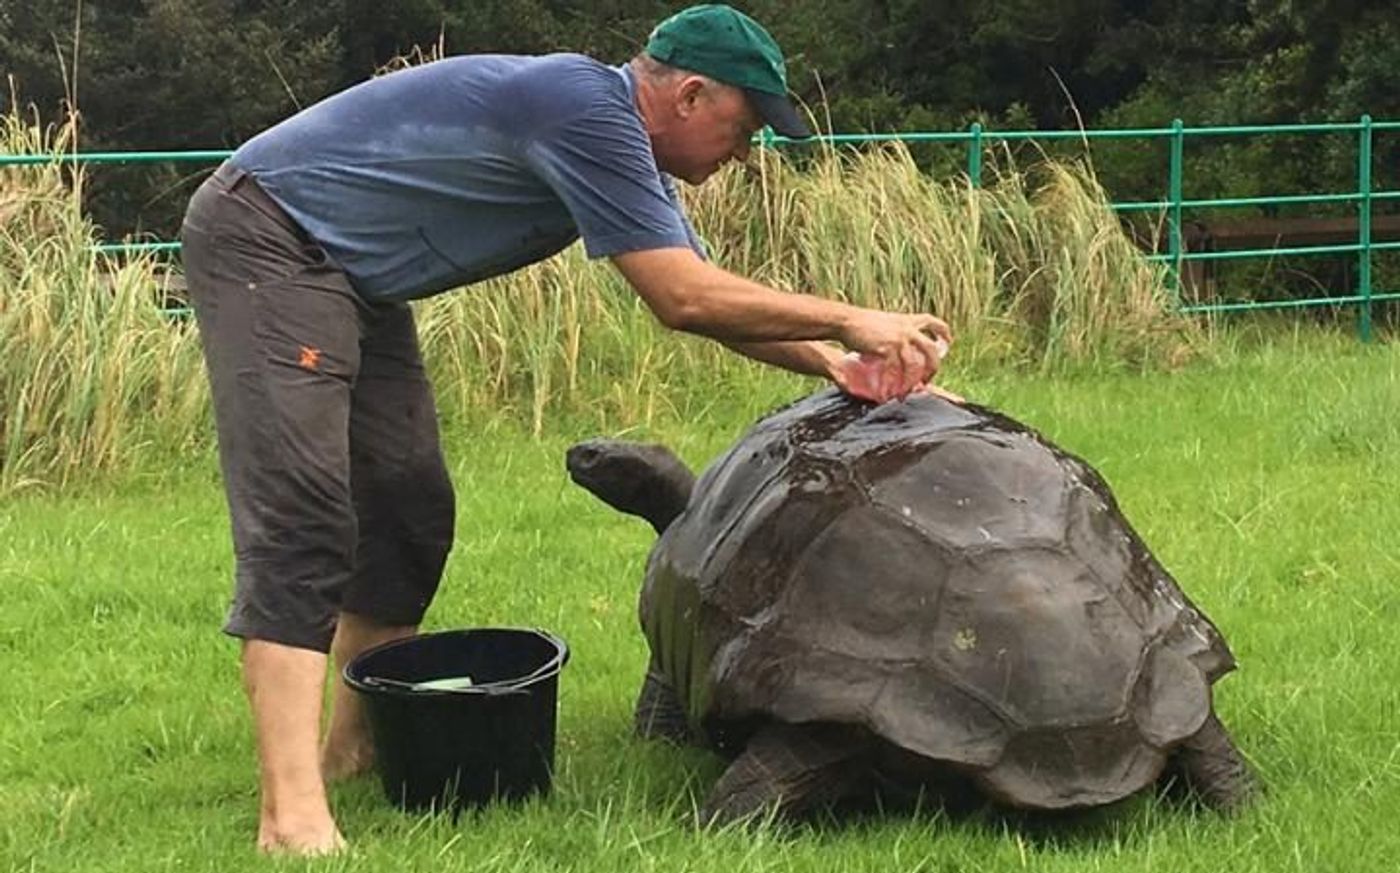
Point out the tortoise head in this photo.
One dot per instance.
(641, 479)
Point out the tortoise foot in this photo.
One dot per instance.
(1211, 768)
(659, 715)
(789, 771)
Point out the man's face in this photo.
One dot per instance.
(711, 124)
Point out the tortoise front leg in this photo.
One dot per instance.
(1213, 770)
(659, 714)
(791, 769)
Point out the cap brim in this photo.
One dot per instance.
(778, 113)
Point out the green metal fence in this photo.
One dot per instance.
(976, 140)
(1175, 203)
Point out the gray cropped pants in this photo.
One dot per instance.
(338, 496)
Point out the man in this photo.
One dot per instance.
(301, 252)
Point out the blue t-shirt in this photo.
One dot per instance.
(455, 171)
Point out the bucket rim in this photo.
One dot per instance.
(518, 685)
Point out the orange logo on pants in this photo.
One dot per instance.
(310, 358)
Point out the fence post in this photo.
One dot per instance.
(1363, 224)
(1174, 247)
(974, 154)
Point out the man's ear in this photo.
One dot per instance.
(688, 95)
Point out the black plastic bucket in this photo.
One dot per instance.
(449, 749)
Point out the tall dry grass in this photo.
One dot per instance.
(1032, 270)
(90, 370)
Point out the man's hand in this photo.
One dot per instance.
(907, 349)
(872, 378)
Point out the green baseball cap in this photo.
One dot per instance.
(725, 44)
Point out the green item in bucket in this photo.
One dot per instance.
(449, 683)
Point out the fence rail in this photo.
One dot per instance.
(976, 139)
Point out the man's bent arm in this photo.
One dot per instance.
(688, 294)
(807, 357)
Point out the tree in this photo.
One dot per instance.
(166, 74)
(169, 74)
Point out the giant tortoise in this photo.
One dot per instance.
(859, 598)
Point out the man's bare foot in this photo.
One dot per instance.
(284, 687)
(348, 749)
(306, 839)
(346, 759)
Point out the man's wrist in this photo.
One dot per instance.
(826, 359)
(843, 316)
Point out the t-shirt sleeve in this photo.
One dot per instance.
(600, 164)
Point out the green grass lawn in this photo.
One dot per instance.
(1266, 483)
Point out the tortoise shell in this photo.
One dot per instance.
(943, 577)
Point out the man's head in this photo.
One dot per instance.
(711, 78)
